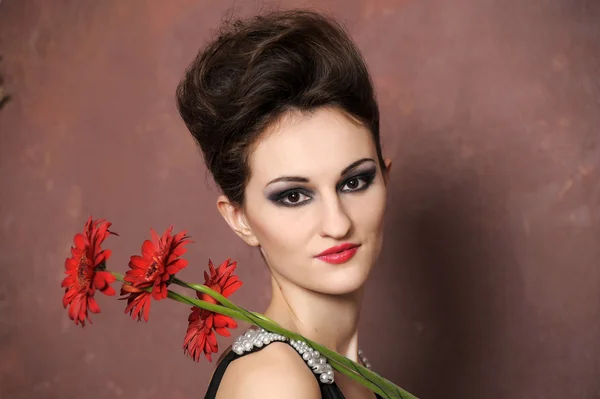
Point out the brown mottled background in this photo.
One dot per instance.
(489, 284)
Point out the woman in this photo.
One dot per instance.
(283, 109)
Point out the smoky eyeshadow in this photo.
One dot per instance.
(361, 171)
(366, 173)
(278, 195)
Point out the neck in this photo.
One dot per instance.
(331, 320)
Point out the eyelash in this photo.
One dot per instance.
(366, 178)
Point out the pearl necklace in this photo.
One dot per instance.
(257, 338)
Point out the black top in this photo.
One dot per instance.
(328, 391)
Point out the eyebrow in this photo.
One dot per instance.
(300, 179)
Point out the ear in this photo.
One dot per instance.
(236, 219)
(388, 168)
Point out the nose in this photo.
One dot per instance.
(335, 222)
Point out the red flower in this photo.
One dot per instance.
(155, 268)
(85, 271)
(200, 337)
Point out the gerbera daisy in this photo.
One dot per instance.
(85, 271)
(159, 262)
(200, 337)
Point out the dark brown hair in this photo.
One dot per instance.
(258, 69)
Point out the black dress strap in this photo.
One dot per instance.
(215, 381)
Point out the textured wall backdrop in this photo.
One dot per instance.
(489, 283)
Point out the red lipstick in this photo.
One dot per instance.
(338, 254)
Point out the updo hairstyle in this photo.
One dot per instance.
(259, 69)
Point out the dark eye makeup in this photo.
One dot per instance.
(291, 197)
(297, 196)
(359, 182)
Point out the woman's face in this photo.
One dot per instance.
(316, 183)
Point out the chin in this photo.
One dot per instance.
(343, 279)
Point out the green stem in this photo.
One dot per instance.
(218, 297)
(353, 370)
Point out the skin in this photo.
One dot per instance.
(293, 221)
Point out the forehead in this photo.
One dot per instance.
(310, 144)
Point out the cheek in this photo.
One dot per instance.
(368, 212)
(280, 232)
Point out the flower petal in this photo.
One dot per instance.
(222, 331)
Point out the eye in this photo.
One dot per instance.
(292, 198)
(353, 183)
(357, 183)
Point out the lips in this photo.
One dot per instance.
(338, 254)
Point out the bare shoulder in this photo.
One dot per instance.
(276, 371)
